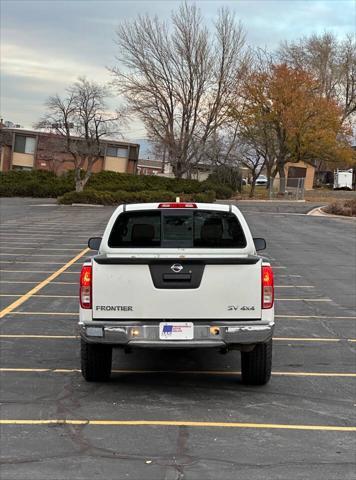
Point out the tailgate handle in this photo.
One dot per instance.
(180, 277)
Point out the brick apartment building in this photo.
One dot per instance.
(27, 149)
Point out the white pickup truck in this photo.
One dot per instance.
(177, 275)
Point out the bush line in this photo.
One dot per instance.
(346, 208)
(110, 188)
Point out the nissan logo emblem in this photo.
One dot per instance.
(176, 268)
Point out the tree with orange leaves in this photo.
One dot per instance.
(301, 123)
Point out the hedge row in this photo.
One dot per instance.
(112, 182)
(145, 196)
(35, 183)
(40, 183)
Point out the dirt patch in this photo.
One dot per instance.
(326, 195)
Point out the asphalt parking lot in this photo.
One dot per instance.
(176, 415)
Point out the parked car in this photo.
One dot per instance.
(261, 180)
(177, 275)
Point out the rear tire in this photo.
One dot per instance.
(95, 361)
(256, 366)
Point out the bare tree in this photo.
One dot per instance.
(347, 56)
(179, 80)
(220, 156)
(80, 120)
(221, 147)
(257, 151)
(331, 62)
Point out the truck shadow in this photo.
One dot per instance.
(177, 359)
(176, 367)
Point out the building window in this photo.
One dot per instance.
(24, 144)
(112, 151)
(24, 169)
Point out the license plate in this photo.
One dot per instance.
(176, 331)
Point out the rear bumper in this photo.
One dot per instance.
(143, 334)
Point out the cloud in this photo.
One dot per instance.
(29, 78)
(22, 61)
(46, 45)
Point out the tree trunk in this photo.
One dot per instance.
(177, 169)
(269, 169)
(282, 179)
(81, 182)
(253, 185)
(79, 186)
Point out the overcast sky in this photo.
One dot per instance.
(47, 44)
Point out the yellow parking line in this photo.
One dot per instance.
(179, 372)
(42, 284)
(180, 423)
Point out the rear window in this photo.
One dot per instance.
(177, 229)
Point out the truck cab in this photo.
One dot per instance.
(177, 275)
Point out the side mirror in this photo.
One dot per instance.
(260, 243)
(94, 243)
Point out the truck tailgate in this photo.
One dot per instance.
(177, 290)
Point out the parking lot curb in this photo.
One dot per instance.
(86, 205)
(319, 212)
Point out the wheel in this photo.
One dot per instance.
(256, 365)
(95, 361)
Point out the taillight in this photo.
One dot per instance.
(85, 286)
(177, 205)
(267, 287)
